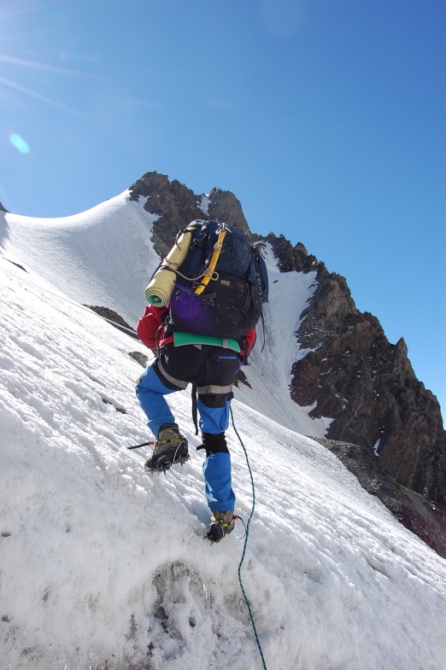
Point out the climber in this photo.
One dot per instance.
(212, 369)
(204, 303)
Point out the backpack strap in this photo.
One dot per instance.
(244, 347)
(264, 331)
(195, 393)
(210, 270)
(194, 406)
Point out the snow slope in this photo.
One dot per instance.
(269, 371)
(105, 257)
(104, 567)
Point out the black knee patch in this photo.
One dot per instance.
(214, 444)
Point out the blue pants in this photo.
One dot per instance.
(213, 370)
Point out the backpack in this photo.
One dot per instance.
(221, 284)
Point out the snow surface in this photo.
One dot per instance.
(269, 372)
(104, 567)
(204, 203)
(103, 256)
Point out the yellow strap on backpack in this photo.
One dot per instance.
(212, 263)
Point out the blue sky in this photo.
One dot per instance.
(326, 118)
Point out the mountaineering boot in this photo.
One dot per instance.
(170, 448)
(222, 523)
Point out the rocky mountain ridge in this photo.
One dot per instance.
(351, 372)
(176, 206)
(354, 375)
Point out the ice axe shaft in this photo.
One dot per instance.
(143, 444)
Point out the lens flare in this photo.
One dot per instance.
(19, 143)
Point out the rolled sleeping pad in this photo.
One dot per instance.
(161, 285)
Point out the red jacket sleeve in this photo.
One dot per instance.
(148, 325)
(251, 337)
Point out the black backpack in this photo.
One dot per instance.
(221, 284)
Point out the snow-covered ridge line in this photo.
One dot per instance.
(101, 257)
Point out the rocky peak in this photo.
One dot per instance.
(353, 375)
(2, 209)
(224, 206)
(176, 206)
(173, 203)
(292, 258)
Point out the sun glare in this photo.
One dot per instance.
(19, 143)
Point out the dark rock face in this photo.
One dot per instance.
(292, 258)
(17, 265)
(2, 209)
(387, 428)
(412, 509)
(367, 385)
(140, 358)
(114, 318)
(176, 206)
(224, 206)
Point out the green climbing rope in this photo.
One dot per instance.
(248, 604)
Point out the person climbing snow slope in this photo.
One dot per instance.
(200, 338)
